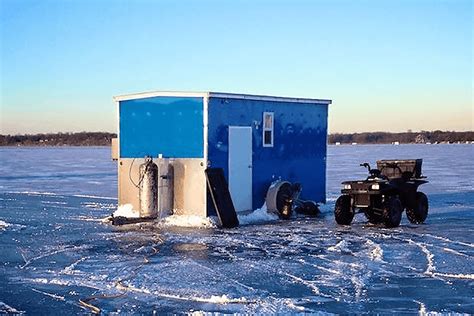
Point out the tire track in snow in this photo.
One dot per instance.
(431, 267)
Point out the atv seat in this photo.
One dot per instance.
(406, 175)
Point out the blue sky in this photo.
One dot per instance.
(387, 65)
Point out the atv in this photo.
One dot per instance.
(382, 197)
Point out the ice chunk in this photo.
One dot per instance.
(126, 210)
(375, 252)
(7, 309)
(257, 216)
(341, 246)
(188, 221)
(224, 299)
(3, 224)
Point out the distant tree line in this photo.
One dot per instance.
(402, 138)
(59, 139)
(104, 138)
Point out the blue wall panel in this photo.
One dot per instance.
(299, 152)
(169, 126)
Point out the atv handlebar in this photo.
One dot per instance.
(366, 165)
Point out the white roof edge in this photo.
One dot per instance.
(268, 98)
(152, 94)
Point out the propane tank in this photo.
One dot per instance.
(148, 190)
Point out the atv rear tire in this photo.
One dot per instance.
(392, 212)
(343, 211)
(418, 214)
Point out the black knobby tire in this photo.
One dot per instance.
(418, 214)
(343, 211)
(372, 217)
(392, 212)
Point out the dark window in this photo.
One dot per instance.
(267, 137)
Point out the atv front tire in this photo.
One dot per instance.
(418, 214)
(392, 212)
(343, 211)
(372, 217)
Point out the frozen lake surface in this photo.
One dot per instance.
(54, 250)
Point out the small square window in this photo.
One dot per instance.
(268, 129)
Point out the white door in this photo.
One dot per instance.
(240, 167)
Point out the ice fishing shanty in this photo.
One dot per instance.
(255, 139)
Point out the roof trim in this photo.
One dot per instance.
(152, 94)
(267, 98)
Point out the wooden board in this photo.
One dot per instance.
(121, 220)
(221, 198)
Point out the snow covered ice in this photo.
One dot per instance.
(55, 250)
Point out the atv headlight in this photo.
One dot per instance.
(346, 186)
(375, 187)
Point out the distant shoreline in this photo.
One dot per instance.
(82, 139)
(58, 139)
(423, 137)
